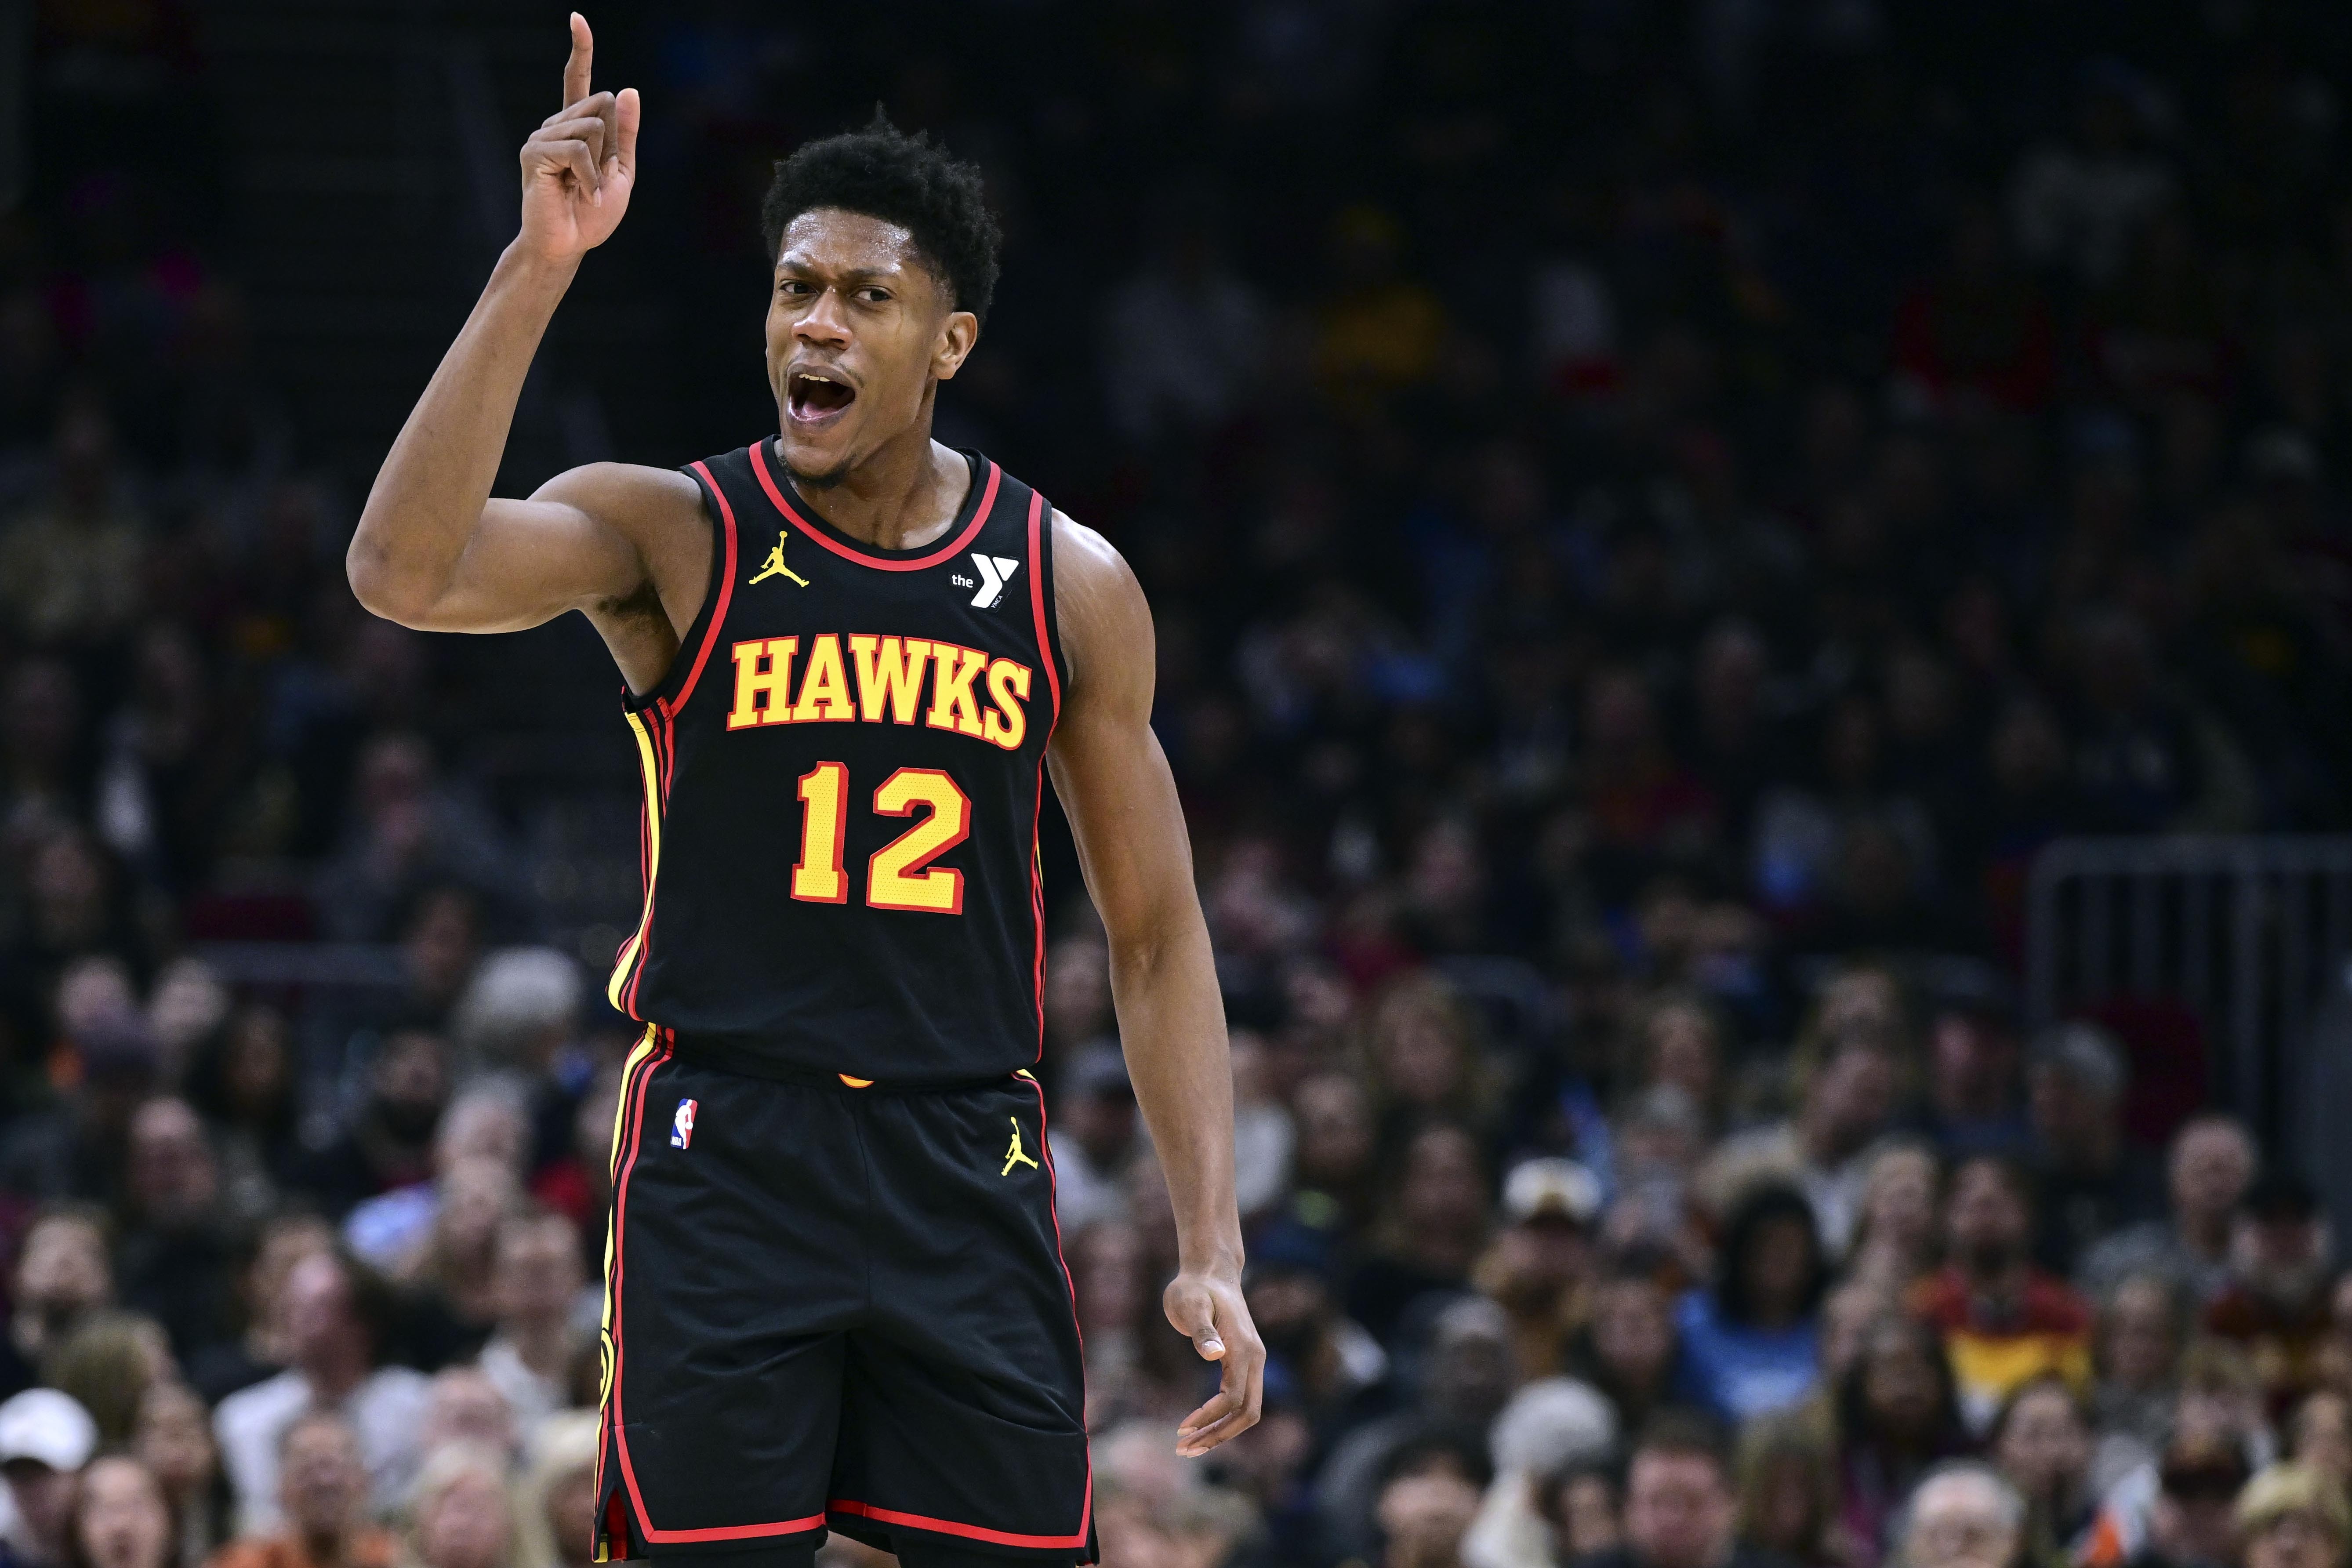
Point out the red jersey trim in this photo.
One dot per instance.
(948, 551)
(969, 1531)
(718, 611)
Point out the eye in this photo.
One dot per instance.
(791, 286)
(873, 296)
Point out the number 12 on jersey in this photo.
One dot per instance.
(899, 875)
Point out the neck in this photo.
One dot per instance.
(2207, 1235)
(323, 1547)
(545, 1347)
(332, 1378)
(2001, 1282)
(902, 497)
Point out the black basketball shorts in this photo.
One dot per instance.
(829, 1307)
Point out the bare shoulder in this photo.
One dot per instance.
(1105, 622)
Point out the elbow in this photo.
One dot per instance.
(378, 585)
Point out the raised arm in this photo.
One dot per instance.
(433, 549)
(1114, 781)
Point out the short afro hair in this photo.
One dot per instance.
(884, 172)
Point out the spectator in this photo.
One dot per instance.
(44, 1440)
(1847, 1103)
(1751, 1344)
(62, 1275)
(1539, 1264)
(1964, 1515)
(1973, 1058)
(1423, 1518)
(1579, 1505)
(1788, 1496)
(452, 1266)
(1433, 1228)
(536, 1281)
(1466, 1380)
(1680, 1511)
(2042, 1443)
(2211, 1164)
(174, 1258)
(486, 1123)
(1330, 1362)
(462, 1406)
(2319, 1434)
(2137, 1363)
(2088, 1180)
(1630, 1349)
(1898, 1417)
(2004, 1320)
(2277, 1304)
(388, 1144)
(1895, 1239)
(338, 1316)
(1094, 1136)
(107, 1365)
(2291, 1516)
(321, 1505)
(462, 1515)
(173, 1438)
(219, 1370)
(1549, 1425)
(2190, 1525)
(560, 1487)
(119, 1518)
(245, 1080)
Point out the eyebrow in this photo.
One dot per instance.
(847, 274)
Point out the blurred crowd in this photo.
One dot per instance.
(1655, 514)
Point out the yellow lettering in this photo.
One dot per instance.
(825, 690)
(889, 670)
(763, 696)
(954, 705)
(1008, 687)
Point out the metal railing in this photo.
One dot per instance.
(2247, 932)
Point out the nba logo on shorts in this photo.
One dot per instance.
(681, 1126)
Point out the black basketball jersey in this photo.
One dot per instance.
(842, 775)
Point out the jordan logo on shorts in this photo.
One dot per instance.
(681, 1126)
(1016, 1155)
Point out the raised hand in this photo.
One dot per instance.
(579, 167)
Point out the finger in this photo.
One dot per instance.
(1192, 1314)
(595, 104)
(588, 128)
(573, 158)
(1220, 1407)
(627, 112)
(608, 128)
(584, 51)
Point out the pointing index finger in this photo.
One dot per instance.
(575, 69)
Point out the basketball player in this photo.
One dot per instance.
(834, 1298)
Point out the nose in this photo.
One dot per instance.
(824, 323)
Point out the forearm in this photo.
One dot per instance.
(434, 482)
(1172, 1022)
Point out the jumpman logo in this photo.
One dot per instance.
(1016, 1155)
(774, 567)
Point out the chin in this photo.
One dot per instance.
(814, 467)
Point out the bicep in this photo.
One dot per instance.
(577, 543)
(1108, 768)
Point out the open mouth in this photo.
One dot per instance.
(811, 396)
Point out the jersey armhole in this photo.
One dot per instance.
(677, 682)
(1043, 603)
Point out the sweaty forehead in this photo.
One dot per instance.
(835, 242)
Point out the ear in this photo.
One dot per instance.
(959, 332)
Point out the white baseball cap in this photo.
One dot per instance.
(1551, 1186)
(48, 1426)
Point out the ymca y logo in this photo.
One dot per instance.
(1016, 1154)
(995, 571)
(681, 1126)
(774, 565)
